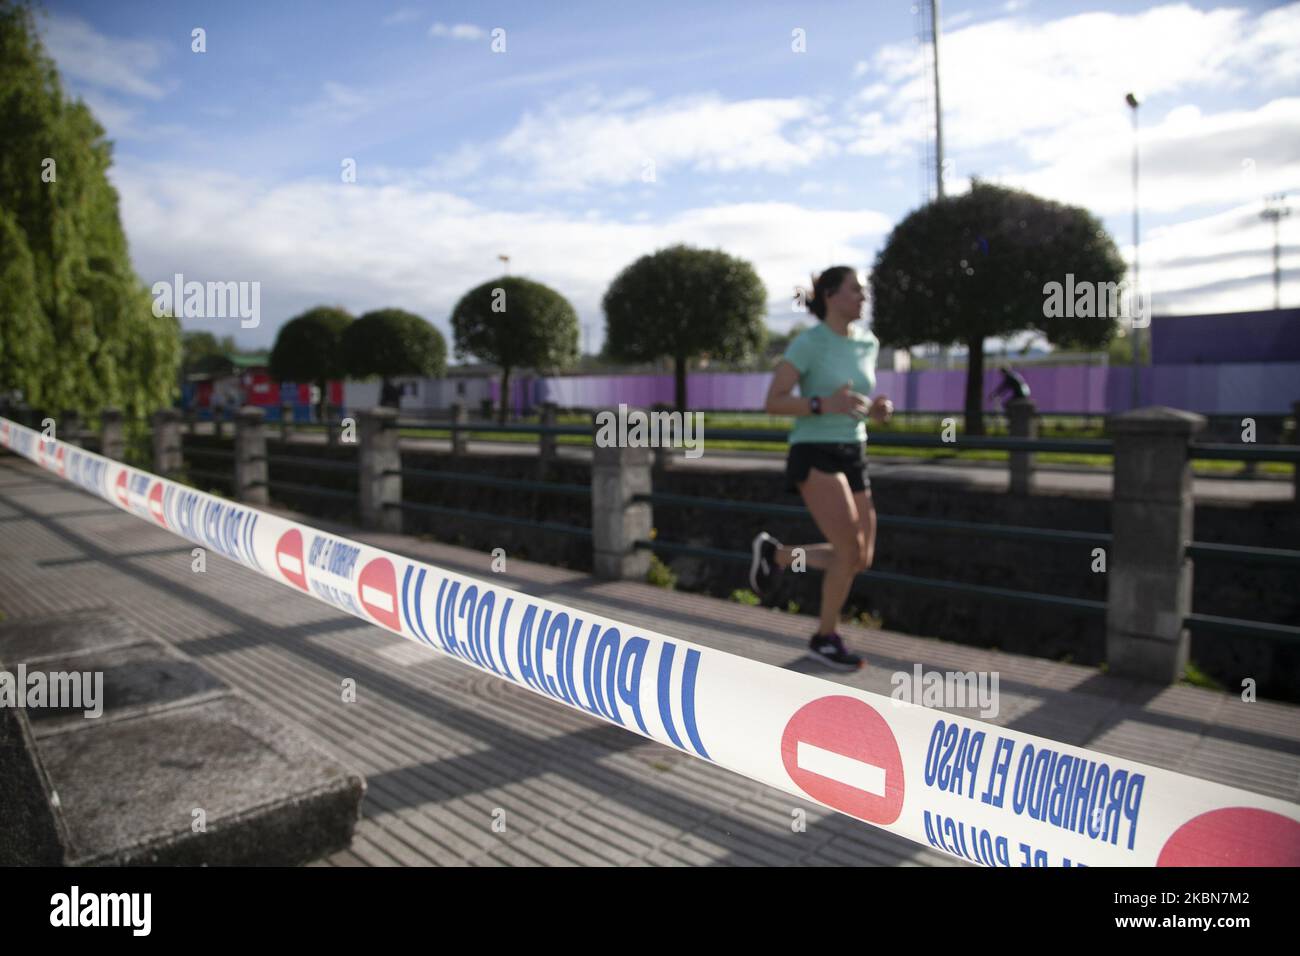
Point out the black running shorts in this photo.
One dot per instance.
(847, 458)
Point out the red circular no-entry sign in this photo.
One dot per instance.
(841, 752)
(288, 558)
(1234, 836)
(377, 588)
(156, 503)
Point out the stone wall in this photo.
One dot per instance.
(1254, 592)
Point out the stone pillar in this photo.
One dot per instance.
(546, 442)
(251, 469)
(617, 474)
(69, 428)
(1022, 422)
(112, 439)
(166, 441)
(286, 420)
(380, 459)
(459, 439)
(1149, 586)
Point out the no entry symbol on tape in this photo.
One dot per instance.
(841, 752)
(377, 588)
(288, 558)
(1234, 836)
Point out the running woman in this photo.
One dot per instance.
(834, 365)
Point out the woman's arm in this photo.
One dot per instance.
(782, 401)
(780, 397)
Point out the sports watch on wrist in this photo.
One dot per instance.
(815, 405)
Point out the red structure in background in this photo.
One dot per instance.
(250, 383)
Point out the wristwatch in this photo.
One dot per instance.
(815, 405)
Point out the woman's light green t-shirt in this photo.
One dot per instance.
(825, 362)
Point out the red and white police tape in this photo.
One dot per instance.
(974, 790)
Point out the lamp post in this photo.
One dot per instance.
(1275, 208)
(1132, 100)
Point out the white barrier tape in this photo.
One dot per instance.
(974, 790)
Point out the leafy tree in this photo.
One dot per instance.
(76, 324)
(391, 342)
(967, 267)
(516, 323)
(203, 354)
(682, 303)
(307, 349)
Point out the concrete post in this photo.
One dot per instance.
(251, 469)
(617, 474)
(1149, 591)
(112, 439)
(545, 442)
(380, 458)
(459, 439)
(166, 441)
(69, 428)
(1022, 421)
(286, 420)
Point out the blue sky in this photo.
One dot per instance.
(605, 131)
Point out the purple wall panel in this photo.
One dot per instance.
(1209, 389)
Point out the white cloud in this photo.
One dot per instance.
(1222, 262)
(401, 15)
(585, 139)
(1009, 82)
(461, 31)
(405, 245)
(336, 102)
(1186, 159)
(109, 63)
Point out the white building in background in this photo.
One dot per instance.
(426, 396)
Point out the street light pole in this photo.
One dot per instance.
(1134, 332)
(1275, 209)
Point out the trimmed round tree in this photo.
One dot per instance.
(516, 323)
(967, 267)
(681, 303)
(391, 342)
(307, 349)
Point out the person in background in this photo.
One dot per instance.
(1012, 386)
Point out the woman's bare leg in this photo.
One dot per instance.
(830, 501)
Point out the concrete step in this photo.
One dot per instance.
(156, 762)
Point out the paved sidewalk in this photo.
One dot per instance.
(444, 747)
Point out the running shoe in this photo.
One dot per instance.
(829, 649)
(763, 570)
